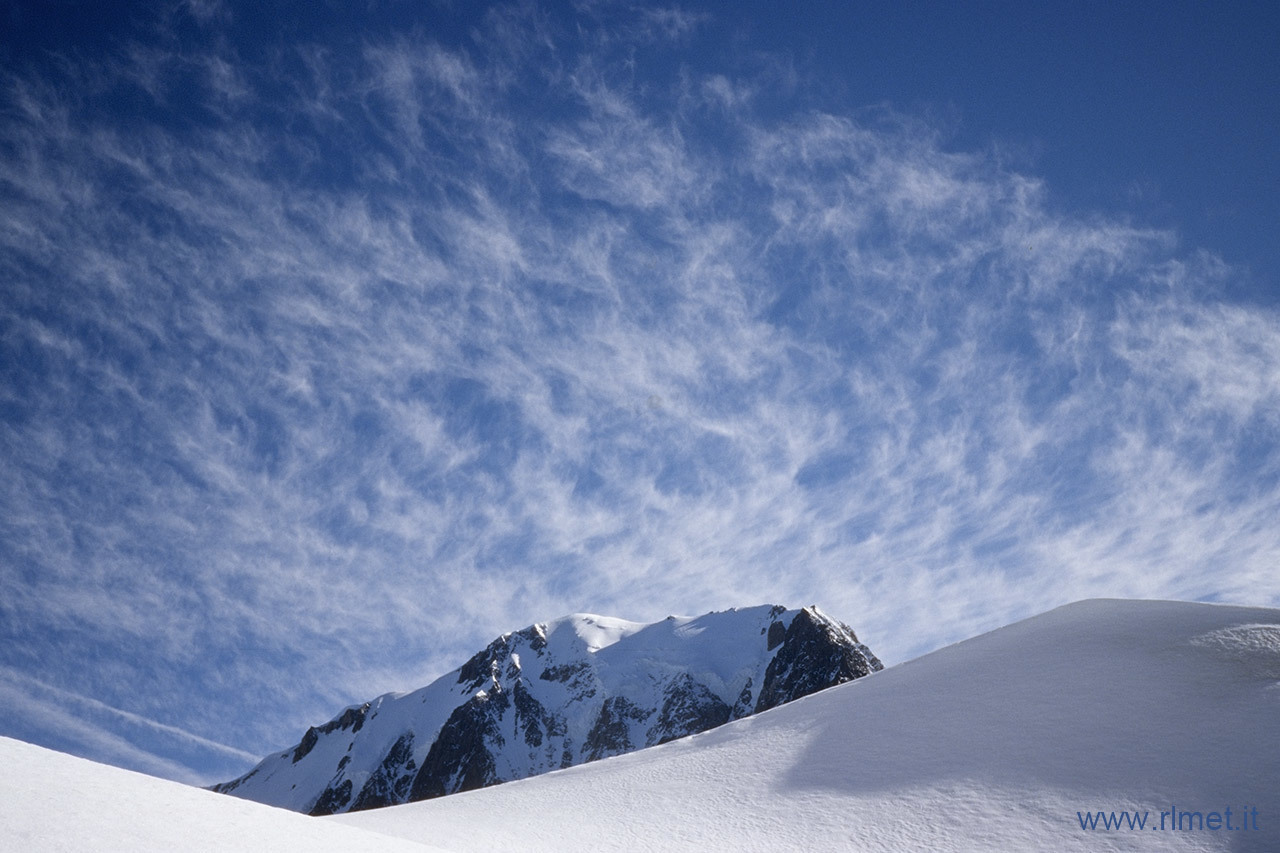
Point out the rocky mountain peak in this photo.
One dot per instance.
(576, 689)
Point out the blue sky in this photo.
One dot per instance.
(337, 339)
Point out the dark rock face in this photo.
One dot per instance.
(689, 708)
(742, 707)
(352, 718)
(816, 653)
(565, 673)
(556, 695)
(532, 720)
(777, 634)
(459, 759)
(333, 799)
(308, 743)
(483, 666)
(390, 783)
(611, 735)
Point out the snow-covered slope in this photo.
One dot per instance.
(1001, 743)
(554, 695)
(55, 802)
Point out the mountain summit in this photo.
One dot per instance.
(557, 694)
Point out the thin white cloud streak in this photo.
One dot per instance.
(82, 722)
(68, 699)
(308, 412)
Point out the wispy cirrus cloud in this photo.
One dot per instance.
(313, 386)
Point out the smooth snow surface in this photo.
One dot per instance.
(991, 744)
(53, 801)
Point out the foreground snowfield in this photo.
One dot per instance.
(50, 801)
(991, 744)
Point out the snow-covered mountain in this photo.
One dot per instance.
(1167, 712)
(555, 695)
